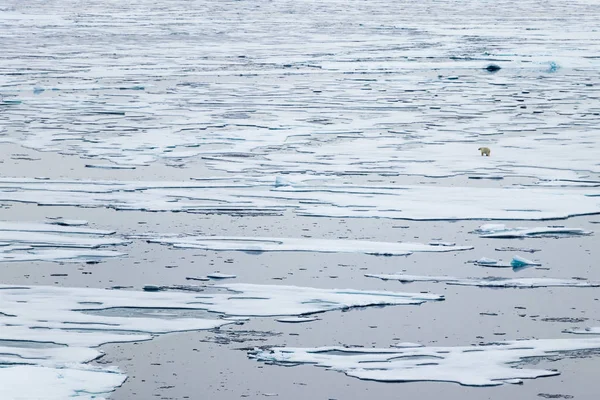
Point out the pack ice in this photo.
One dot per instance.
(48, 335)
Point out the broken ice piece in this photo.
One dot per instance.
(218, 275)
(518, 262)
(487, 261)
(296, 320)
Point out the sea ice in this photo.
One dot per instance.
(491, 364)
(518, 262)
(57, 240)
(262, 244)
(54, 331)
(501, 231)
(490, 281)
(253, 197)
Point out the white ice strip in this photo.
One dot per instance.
(20, 254)
(501, 231)
(584, 331)
(485, 365)
(53, 331)
(262, 244)
(403, 202)
(51, 240)
(53, 226)
(493, 282)
(296, 320)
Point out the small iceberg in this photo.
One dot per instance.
(520, 262)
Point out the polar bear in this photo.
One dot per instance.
(484, 151)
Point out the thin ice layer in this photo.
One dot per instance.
(486, 365)
(261, 244)
(491, 281)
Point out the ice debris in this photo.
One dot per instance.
(263, 244)
(491, 364)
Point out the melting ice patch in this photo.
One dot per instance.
(53, 331)
(258, 244)
(492, 364)
(493, 282)
(252, 197)
(28, 241)
(501, 231)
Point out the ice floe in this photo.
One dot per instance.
(54, 331)
(490, 281)
(501, 231)
(57, 240)
(491, 364)
(262, 244)
(252, 197)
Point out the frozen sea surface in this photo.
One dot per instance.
(331, 130)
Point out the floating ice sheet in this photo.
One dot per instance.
(501, 231)
(494, 282)
(485, 365)
(57, 240)
(53, 331)
(262, 244)
(251, 197)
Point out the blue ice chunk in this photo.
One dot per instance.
(552, 67)
(38, 90)
(281, 181)
(519, 262)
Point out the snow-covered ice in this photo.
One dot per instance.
(262, 244)
(253, 197)
(491, 364)
(501, 231)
